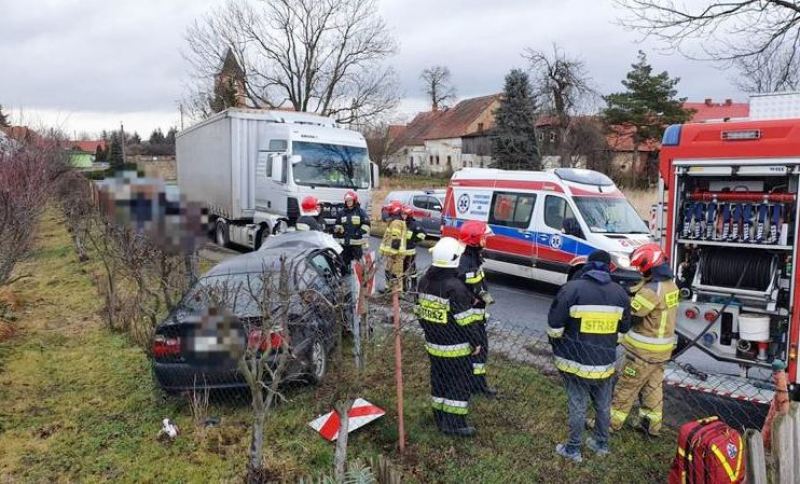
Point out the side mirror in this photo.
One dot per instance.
(437, 208)
(295, 159)
(277, 168)
(375, 175)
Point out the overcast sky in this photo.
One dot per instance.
(86, 65)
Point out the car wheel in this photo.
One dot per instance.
(222, 237)
(281, 226)
(317, 362)
(261, 234)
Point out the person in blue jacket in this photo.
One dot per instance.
(587, 318)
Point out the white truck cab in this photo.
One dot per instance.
(546, 223)
(253, 167)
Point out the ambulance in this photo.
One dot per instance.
(545, 223)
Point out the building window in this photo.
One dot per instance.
(553, 137)
(481, 164)
(480, 126)
(540, 135)
(411, 160)
(431, 159)
(449, 160)
(437, 159)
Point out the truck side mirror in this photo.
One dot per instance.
(295, 159)
(277, 168)
(375, 175)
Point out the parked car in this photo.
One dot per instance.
(201, 342)
(427, 206)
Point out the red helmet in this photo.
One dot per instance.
(351, 195)
(394, 207)
(309, 204)
(408, 210)
(647, 256)
(474, 232)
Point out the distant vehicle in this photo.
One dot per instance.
(253, 167)
(190, 351)
(546, 223)
(427, 206)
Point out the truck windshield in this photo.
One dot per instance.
(326, 165)
(610, 215)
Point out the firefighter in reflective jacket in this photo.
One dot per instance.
(393, 245)
(587, 317)
(649, 343)
(445, 312)
(309, 215)
(414, 235)
(473, 234)
(352, 229)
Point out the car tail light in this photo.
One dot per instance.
(691, 313)
(257, 339)
(164, 347)
(710, 315)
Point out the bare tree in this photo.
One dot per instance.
(777, 69)
(379, 143)
(438, 86)
(727, 30)
(564, 86)
(316, 56)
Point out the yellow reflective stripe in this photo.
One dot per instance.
(357, 241)
(662, 327)
(469, 316)
(672, 298)
(681, 452)
(638, 302)
(478, 369)
(355, 220)
(433, 304)
(449, 351)
(731, 474)
(457, 407)
(409, 234)
(421, 236)
(649, 344)
(555, 332)
(592, 372)
(654, 416)
(365, 228)
(474, 277)
(618, 416)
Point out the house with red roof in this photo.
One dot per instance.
(445, 140)
(82, 152)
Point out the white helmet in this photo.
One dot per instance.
(447, 252)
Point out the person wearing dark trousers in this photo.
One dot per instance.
(444, 309)
(473, 234)
(414, 235)
(352, 229)
(587, 318)
(310, 215)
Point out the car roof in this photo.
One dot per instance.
(309, 239)
(257, 262)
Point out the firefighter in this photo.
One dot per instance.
(445, 312)
(352, 229)
(473, 234)
(414, 235)
(587, 317)
(393, 245)
(649, 343)
(310, 215)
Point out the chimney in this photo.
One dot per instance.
(709, 101)
(728, 102)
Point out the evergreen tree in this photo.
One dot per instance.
(115, 152)
(646, 107)
(514, 142)
(157, 137)
(225, 95)
(100, 154)
(135, 139)
(3, 118)
(170, 139)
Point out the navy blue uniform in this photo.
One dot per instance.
(470, 270)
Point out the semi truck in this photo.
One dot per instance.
(730, 189)
(252, 168)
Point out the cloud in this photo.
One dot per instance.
(93, 61)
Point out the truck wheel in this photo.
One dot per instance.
(261, 234)
(222, 237)
(281, 226)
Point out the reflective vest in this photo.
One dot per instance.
(394, 239)
(655, 307)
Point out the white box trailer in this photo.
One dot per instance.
(252, 168)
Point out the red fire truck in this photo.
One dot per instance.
(730, 189)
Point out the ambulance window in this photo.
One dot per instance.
(556, 210)
(512, 209)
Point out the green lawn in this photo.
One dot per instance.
(77, 402)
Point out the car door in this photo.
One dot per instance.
(513, 244)
(559, 238)
(422, 211)
(435, 210)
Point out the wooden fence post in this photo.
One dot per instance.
(784, 446)
(756, 459)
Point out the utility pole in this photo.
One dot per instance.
(122, 141)
(180, 107)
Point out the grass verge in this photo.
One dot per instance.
(77, 403)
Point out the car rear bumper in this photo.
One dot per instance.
(181, 376)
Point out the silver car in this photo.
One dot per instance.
(427, 205)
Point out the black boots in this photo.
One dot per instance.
(481, 387)
(451, 424)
